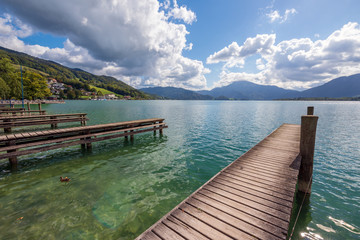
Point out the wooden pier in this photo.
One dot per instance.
(252, 198)
(19, 144)
(9, 122)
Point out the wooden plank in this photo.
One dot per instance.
(166, 233)
(199, 225)
(183, 229)
(261, 195)
(270, 192)
(252, 197)
(253, 226)
(214, 222)
(151, 236)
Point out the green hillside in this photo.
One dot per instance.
(76, 78)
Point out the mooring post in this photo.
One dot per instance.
(28, 106)
(12, 160)
(132, 135)
(307, 148)
(161, 130)
(39, 106)
(126, 136)
(310, 110)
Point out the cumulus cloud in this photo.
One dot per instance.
(181, 13)
(233, 53)
(136, 39)
(296, 63)
(275, 16)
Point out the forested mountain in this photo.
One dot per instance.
(176, 93)
(77, 78)
(337, 88)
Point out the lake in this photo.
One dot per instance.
(120, 188)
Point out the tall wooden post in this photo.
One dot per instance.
(161, 130)
(307, 147)
(12, 160)
(28, 106)
(131, 136)
(39, 106)
(310, 110)
(126, 137)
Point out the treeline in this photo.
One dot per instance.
(77, 78)
(34, 85)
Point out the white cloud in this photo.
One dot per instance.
(181, 13)
(275, 16)
(136, 39)
(296, 63)
(262, 43)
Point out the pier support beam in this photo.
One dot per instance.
(307, 147)
(12, 160)
(126, 137)
(161, 130)
(132, 135)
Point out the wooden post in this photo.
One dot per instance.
(7, 129)
(160, 131)
(126, 137)
(39, 106)
(131, 136)
(310, 110)
(28, 106)
(53, 125)
(88, 145)
(154, 129)
(307, 147)
(12, 160)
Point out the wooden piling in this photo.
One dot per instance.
(161, 131)
(12, 160)
(310, 110)
(39, 106)
(126, 137)
(28, 106)
(307, 147)
(132, 135)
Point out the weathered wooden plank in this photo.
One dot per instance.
(284, 183)
(183, 229)
(257, 182)
(198, 225)
(270, 192)
(252, 207)
(253, 226)
(214, 222)
(251, 197)
(150, 236)
(166, 233)
(260, 194)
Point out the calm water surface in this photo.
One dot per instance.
(120, 188)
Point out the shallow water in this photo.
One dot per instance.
(120, 188)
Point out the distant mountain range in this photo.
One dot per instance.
(337, 88)
(175, 93)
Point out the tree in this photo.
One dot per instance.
(35, 86)
(4, 89)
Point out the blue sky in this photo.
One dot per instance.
(191, 44)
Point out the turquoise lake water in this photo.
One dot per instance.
(120, 188)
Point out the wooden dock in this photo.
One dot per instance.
(252, 198)
(9, 122)
(19, 144)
